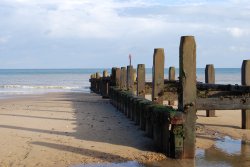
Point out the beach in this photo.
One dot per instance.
(67, 129)
(225, 123)
(50, 118)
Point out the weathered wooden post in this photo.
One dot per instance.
(91, 82)
(134, 75)
(111, 85)
(130, 79)
(141, 80)
(105, 73)
(130, 88)
(105, 84)
(245, 80)
(187, 97)
(94, 82)
(171, 73)
(117, 77)
(140, 91)
(98, 82)
(117, 84)
(158, 76)
(210, 79)
(123, 80)
(171, 77)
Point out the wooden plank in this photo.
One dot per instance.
(223, 87)
(187, 96)
(222, 103)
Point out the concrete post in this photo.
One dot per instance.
(187, 96)
(130, 79)
(210, 79)
(158, 76)
(245, 80)
(141, 80)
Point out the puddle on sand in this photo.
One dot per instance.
(123, 164)
(226, 152)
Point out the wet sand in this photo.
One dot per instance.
(64, 129)
(225, 123)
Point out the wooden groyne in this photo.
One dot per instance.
(173, 130)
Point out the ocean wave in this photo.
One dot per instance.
(40, 87)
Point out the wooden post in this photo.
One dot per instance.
(105, 84)
(98, 82)
(91, 82)
(187, 96)
(134, 75)
(210, 78)
(171, 77)
(141, 80)
(105, 73)
(130, 79)
(94, 82)
(123, 78)
(117, 84)
(245, 80)
(158, 76)
(171, 74)
(117, 76)
(113, 76)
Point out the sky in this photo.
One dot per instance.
(102, 33)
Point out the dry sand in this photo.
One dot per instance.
(64, 129)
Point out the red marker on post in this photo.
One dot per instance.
(130, 57)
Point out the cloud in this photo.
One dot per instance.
(93, 28)
(238, 32)
(4, 40)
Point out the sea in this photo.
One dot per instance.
(15, 82)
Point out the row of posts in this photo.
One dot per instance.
(123, 79)
(187, 93)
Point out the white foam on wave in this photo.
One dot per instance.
(41, 87)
